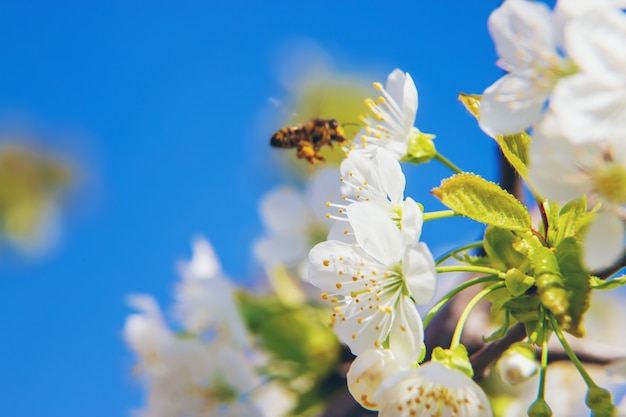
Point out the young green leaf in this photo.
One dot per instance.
(472, 196)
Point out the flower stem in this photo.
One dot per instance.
(453, 252)
(439, 157)
(456, 337)
(468, 268)
(442, 214)
(544, 360)
(435, 309)
(570, 352)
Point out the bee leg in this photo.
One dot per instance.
(306, 151)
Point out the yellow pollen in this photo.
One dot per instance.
(338, 285)
(328, 204)
(324, 296)
(326, 262)
(354, 336)
(378, 86)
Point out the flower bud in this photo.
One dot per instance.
(367, 372)
(517, 364)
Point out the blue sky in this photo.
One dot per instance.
(165, 107)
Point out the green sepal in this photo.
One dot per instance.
(601, 284)
(499, 244)
(471, 103)
(549, 281)
(472, 196)
(421, 148)
(600, 401)
(456, 358)
(500, 332)
(523, 309)
(539, 408)
(576, 281)
(517, 282)
(568, 221)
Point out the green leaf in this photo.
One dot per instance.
(601, 284)
(515, 149)
(472, 196)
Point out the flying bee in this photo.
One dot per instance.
(308, 138)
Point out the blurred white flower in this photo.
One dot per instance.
(375, 283)
(432, 389)
(206, 299)
(394, 115)
(561, 170)
(591, 104)
(295, 221)
(367, 372)
(186, 376)
(526, 39)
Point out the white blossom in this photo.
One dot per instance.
(394, 115)
(186, 376)
(591, 104)
(561, 170)
(432, 389)
(526, 39)
(375, 284)
(378, 178)
(367, 372)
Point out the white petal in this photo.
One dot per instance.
(411, 224)
(558, 169)
(523, 32)
(590, 109)
(342, 231)
(395, 85)
(596, 42)
(281, 249)
(322, 188)
(203, 264)
(392, 180)
(406, 337)
(418, 269)
(511, 105)
(375, 232)
(604, 241)
(409, 102)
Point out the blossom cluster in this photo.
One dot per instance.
(566, 78)
(207, 367)
(374, 270)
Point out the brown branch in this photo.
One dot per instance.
(489, 353)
